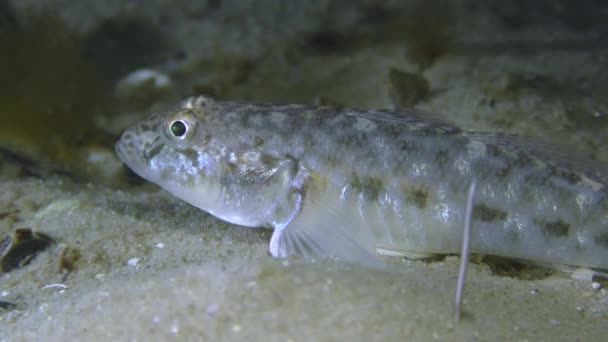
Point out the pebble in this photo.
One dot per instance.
(133, 261)
(143, 86)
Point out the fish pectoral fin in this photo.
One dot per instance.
(311, 240)
(321, 230)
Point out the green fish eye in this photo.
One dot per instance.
(178, 128)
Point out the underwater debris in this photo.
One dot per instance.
(18, 249)
(7, 305)
(68, 258)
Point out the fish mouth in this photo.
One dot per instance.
(120, 150)
(131, 159)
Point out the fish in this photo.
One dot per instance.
(358, 185)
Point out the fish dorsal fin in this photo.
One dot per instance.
(554, 154)
(410, 117)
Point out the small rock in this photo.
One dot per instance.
(19, 249)
(7, 305)
(142, 87)
(133, 261)
(68, 258)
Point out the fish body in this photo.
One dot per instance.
(350, 183)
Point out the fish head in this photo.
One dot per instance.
(187, 153)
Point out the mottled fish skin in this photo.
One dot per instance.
(348, 183)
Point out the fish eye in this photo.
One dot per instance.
(178, 128)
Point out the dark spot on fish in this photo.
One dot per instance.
(523, 161)
(488, 214)
(442, 158)
(493, 151)
(601, 239)
(408, 146)
(257, 141)
(571, 177)
(391, 130)
(503, 172)
(267, 159)
(429, 130)
(416, 195)
(191, 154)
(353, 139)
(144, 127)
(513, 235)
(369, 186)
(556, 228)
(232, 168)
(151, 153)
(244, 118)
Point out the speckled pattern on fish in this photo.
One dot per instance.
(349, 183)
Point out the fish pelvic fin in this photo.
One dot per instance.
(326, 227)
